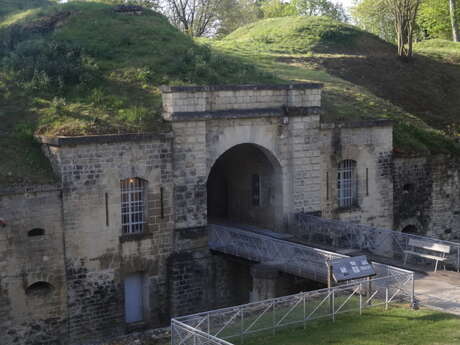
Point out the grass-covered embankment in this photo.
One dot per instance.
(363, 77)
(83, 68)
(375, 327)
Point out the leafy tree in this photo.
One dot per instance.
(404, 13)
(233, 14)
(320, 8)
(278, 8)
(375, 17)
(434, 19)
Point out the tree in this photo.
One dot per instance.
(320, 8)
(194, 17)
(453, 19)
(232, 14)
(434, 19)
(278, 8)
(404, 13)
(375, 17)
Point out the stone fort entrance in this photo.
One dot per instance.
(248, 154)
(245, 186)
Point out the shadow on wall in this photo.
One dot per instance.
(245, 186)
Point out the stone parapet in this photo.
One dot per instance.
(210, 99)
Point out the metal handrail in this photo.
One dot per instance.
(345, 235)
(290, 257)
(212, 327)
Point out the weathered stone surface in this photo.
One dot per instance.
(86, 258)
(370, 146)
(427, 196)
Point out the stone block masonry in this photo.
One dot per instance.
(282, 121)
(427, 196)
(368, 144)
(255, 155)
(33, 306)
(99, 256)
(202, 99)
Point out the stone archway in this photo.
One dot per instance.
(244, 186)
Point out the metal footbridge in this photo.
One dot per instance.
(314, 241)
(280, 252)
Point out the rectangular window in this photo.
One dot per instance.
(134, 301)
(347, 186)
(132, 205)
(255, 190)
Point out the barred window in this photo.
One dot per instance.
(347, 184)
(132, 205)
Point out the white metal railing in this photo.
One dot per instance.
(218, 326)
(342, 235)
(286, 256)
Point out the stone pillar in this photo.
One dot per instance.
(264, 279)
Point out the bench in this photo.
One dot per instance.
(437, 252)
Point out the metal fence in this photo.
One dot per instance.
(286, 256)
(218, 326)
(342, 235)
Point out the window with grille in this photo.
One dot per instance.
(347, 184)
(132, 205)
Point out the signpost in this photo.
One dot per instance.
(351, 268)
(341, 270)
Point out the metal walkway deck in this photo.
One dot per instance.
(287, 256)
(306, 255)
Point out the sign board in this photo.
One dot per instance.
(351, 268)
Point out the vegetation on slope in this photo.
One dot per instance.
(83, 68)
(363, 77)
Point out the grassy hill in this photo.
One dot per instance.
(85, 68)
(363, 77)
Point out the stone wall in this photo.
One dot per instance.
(285, 129)
(370, 145)
(86, 258)
(427, 196)
(98, 255)
(33, 306)
(208, 99)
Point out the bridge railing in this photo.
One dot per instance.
(216, 327)
(290, 257)
(342, 235)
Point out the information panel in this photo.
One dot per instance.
(351, 268)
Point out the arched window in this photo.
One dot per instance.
(133, 205)
(347, 184)
(39, 289)
(36, 232)
(410, 229)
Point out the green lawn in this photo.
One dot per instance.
(376, 326)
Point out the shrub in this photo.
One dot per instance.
(47, 65)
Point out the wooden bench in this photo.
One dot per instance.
(436, 251)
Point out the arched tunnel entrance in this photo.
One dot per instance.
(245, 187)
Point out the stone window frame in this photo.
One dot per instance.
(133, 206)
(347, 184)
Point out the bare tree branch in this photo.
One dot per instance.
(194, 17)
